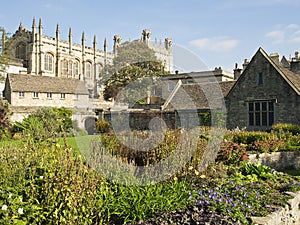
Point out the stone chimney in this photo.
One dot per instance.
(245, 64)
(295, 63)
(275, 57)
(237, 72)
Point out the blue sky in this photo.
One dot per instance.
(217, 33)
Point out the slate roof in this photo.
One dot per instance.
(292, 78)
(200, 96)
(33, 83)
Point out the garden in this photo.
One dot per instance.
(52, 173)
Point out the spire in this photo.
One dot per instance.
(33, 30)
(82, 37)
(70, 33)
(57, 29)
(57, 32)
(33, 23)
(40, 23)
(40, 26)
(70, 40)
(94, 42)
(21, 26)
(105, 46)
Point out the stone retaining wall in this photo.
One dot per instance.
(277, 160)
(289, 215)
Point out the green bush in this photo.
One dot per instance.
(102, 126)
(270, 145)
(247, 137)
(231, 153)
(286, 127)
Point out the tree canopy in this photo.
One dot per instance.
(134, 60)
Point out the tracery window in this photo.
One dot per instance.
(76, 68)
(70, 65)
(64, 67)
(88, 69)
(49, 62)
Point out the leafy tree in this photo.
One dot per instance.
(4, 117)
(134, 61)
(4, 56)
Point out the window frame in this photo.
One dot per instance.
(48, 63)
(35, 94)
(88, 69)
(261, 113)
(21, 94)
(62, 95)
(49, 95)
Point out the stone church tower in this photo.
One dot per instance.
(50, 56)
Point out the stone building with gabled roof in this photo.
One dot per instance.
(26, 93)
(265, 93)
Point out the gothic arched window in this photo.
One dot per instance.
(70, 65)
(64, 67)
(76, 68)
(88, 69)
(49, 62)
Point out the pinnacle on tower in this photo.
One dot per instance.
(33, 23)
(105, 45)
(21, 26)
(70, 32)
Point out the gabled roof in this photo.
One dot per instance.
(290, 77)
(201, 96)
(33, 83)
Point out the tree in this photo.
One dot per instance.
(134, 61)
(4, 117)
(4, 55)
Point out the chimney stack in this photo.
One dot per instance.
(237, 72)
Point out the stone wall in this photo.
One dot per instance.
(289, 215)
(277, 160)
(140, 119)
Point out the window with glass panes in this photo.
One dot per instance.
(261, 113)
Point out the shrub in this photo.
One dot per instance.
(4, 117)
(270, 145)
(286, 127)
(247, 137)
(102, 126)
(231, 153)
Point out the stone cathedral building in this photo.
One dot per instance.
(34, 54)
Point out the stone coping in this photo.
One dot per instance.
(288, 215)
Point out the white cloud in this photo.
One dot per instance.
(215, 44)
(276, 35)
(289, 33)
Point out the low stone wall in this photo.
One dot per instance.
(289, 215)
(277, 160)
